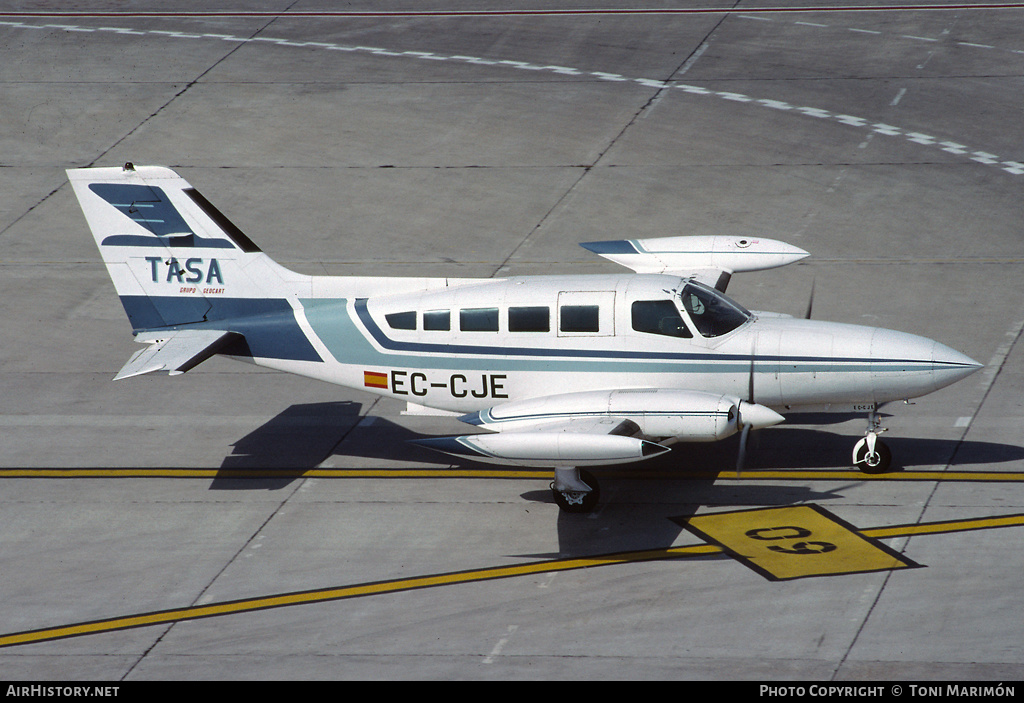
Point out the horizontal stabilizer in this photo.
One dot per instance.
(175, 351)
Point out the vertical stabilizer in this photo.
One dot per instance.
(173, 257)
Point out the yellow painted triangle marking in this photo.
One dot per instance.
(797, 541)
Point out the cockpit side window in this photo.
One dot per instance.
(659, 317)
(402, 320)
(711, 312)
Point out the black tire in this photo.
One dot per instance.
(579, 503)
(874, 464)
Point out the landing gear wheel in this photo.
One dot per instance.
(872, 462)
(578, 501)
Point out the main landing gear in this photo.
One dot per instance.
(870, 454)
(575, 490)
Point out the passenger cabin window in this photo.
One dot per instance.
(579, 318)
(478, 320)
(529, 319)
(712, 312)
(659, 317)
(402, 320)
(437, 320)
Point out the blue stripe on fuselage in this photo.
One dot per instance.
(272, 331)
(268, 325)
(333, 323)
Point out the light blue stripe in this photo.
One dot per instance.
(334, 325)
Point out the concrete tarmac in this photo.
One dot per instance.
(233, 523)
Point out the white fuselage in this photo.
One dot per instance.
(568, 370)
(462, 346)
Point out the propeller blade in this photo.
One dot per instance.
(750, 379)
(745, 431)
(742, 458)
(810, 301)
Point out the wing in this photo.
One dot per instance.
(711, 260)
(599, 427)
(175, 351)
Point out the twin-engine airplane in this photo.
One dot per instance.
(565, 371)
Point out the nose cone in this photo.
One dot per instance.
(758, 416)
(949, 365)
(791, 254)
(909, 366)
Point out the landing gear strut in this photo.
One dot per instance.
(870, 454)
(575, 490)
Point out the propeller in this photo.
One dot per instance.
(745, 426)
(742, 458)
(751, 415)
(810, 301)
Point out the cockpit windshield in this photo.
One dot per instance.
(711, 311)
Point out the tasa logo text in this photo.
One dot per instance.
(194, 270)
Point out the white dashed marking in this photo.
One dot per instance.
(1012, 167)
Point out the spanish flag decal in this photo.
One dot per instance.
(372, 379)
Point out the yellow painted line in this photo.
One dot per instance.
(110, 473)
(433, 581)
(330, 594)
(848, 474)
(936, 528)
(274, 473)
(638, 474)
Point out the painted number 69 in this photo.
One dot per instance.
(790, 532)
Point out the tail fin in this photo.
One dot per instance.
(173, 257)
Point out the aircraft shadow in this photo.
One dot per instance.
(305, 436)
(805, 448)
(641, 505)
(645, 511)
(298, 439)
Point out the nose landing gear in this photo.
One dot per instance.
(870, 454)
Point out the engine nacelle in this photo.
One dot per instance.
(546, 449)
(689, 416)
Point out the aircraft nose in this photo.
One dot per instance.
(949, 365)
(906, 365)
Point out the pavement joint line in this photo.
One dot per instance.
(912, 37)
(524, 12)
(920, 527)
(984, 158)
(335, 593)
(990, 373)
